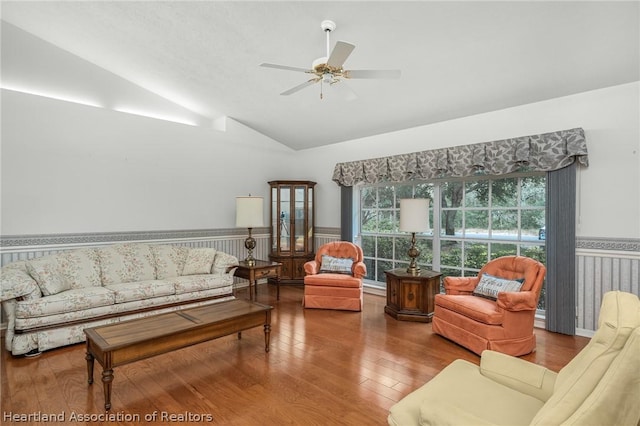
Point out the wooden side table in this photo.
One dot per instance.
(261, 269)
(411, 297)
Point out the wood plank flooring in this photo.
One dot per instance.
(324, 368)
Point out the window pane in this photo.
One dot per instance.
(387, 221)
(504, 224)
(476, 255)
(385, 247)
(403, 191)
(531, 223)
(425, 190)
(368, 222)
(504, 192)
(451, 253)
(369, 245)
(499, 250)
(476, 224)
(451, 194)
(383, 265)
(477, 194)
(371, 270)
(368, 198)
(451, 222)
(533, 190)
(385, 197)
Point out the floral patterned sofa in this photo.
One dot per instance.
(49, 301)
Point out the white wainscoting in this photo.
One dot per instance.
(597, 272)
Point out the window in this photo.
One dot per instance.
(473, 220)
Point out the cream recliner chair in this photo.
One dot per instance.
(600, 386)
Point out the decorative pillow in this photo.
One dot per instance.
(489, 286)
(336, 265)
(45, 272)
(199, 261)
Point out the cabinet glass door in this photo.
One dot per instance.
(285, 219)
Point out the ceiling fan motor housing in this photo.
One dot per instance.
(328, 25)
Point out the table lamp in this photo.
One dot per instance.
(414, 217)
(249, 214)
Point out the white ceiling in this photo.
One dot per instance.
(457, 58)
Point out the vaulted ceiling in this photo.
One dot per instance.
(457, 58)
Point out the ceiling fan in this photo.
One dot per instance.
(328, 69)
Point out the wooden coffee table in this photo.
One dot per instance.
(129, 341)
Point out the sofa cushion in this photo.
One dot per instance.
(44, 270)
(125, 263)
(489, 286)
(169, 260)
(67, 301)
(199, 261)
(477, 308)
(336, 265)
(80, 267)
(332, 280)
(128, 292)
(194, 283)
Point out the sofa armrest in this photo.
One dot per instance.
(16, 283)
(517, 301)
(460, 285)
(518, 374)
(311, 267)
(224, 263)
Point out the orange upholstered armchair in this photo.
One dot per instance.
(494, 310)
(334, 279)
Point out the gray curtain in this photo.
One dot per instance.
(560, 286)
(346, 213)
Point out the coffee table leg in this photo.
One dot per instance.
(90, 360)
(107, 378)
(267, 331)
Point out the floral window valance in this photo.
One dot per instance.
(545, 152)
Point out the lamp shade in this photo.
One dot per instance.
(414, 215)
(249, 212)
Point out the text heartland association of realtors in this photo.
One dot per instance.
(161, 416)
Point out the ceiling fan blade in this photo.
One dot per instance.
(300, 87)
(372, 74)
(285, 67)
(340, 53)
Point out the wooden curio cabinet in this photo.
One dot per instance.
(292, 227)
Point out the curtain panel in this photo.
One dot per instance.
(544, 152)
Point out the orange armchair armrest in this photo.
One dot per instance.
(311, 267)
(359, 270)
(518, 301)
(460, 285)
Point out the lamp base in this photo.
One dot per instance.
(250, 244)
(413, 253)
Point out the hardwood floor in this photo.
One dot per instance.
(324, 368)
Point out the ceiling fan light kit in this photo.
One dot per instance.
(329, 69)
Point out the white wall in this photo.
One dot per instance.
(69, 168)
(72, 168)
(609, 189)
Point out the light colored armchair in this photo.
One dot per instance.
(600, 386)
(487, 311)
(333, 279)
